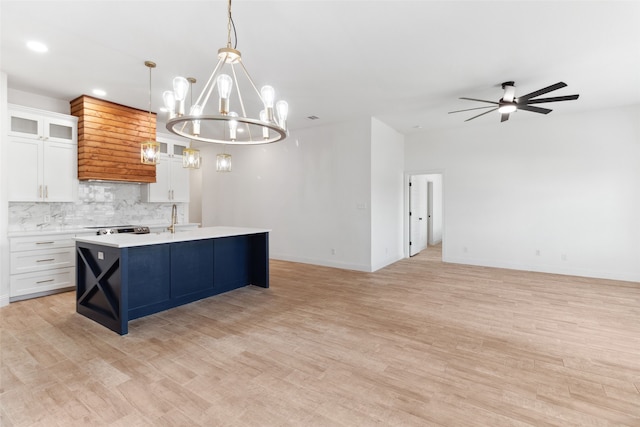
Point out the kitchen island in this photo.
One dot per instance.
(121, 277)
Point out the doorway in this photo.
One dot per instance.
(424, 211)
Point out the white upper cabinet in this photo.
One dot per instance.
(172, 180)
(42, 155)
(42, 125)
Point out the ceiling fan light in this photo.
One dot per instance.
(507, 108)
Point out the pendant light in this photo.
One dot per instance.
(150, 150)
(223, 162)
(191, 156)
(208, 121)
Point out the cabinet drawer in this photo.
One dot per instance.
(45, 259)
(31, 283)
(42, 242)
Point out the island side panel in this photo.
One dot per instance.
(259, 253)
(100, 286)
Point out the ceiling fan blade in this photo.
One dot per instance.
(504, 117)
(482, 114)
(542, 91)
(470, 109)
(552, 99)
(534, 109)
(480, 100)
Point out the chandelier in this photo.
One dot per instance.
(228, 121)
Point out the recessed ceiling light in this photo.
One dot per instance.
(417, 127)
(37, 46)
(163, 109)
(99, 92)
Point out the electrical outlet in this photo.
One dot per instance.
(333, 251)
(564, 257)
(537, 252)
(47, 219)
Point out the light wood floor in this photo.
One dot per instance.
(420, 343)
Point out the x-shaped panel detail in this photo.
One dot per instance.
(99, 284)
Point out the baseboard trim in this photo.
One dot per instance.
(322, 262)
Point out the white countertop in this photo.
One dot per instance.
(127, 240)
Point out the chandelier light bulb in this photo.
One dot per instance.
(169, 102)
(180, 88)
(196, 110)
(224, 83)
(268, 95)
(265, 130)
(233, 126)
(282, 107)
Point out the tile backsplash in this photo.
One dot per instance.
(99, 203)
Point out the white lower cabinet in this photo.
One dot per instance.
(32, 284)
(41, 265)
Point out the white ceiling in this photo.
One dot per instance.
(405, 62)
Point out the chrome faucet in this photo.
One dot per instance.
(174, 219)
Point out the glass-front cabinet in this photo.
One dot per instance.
(172, 180)
(42, 155)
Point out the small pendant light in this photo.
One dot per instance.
(191, 156)
(150, 150)
(223, 162)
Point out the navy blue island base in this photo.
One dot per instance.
(118, 282)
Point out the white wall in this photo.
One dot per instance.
(565, 185)
(387, 166)
(4, 205)
(312, 190)
(33, 100)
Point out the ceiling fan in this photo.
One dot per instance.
(509, 103)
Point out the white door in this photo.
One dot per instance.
(59, 171)
(417, 214)
(179, 181)
(159, 191)
(24, 168)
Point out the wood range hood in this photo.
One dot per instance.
(109, 138)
